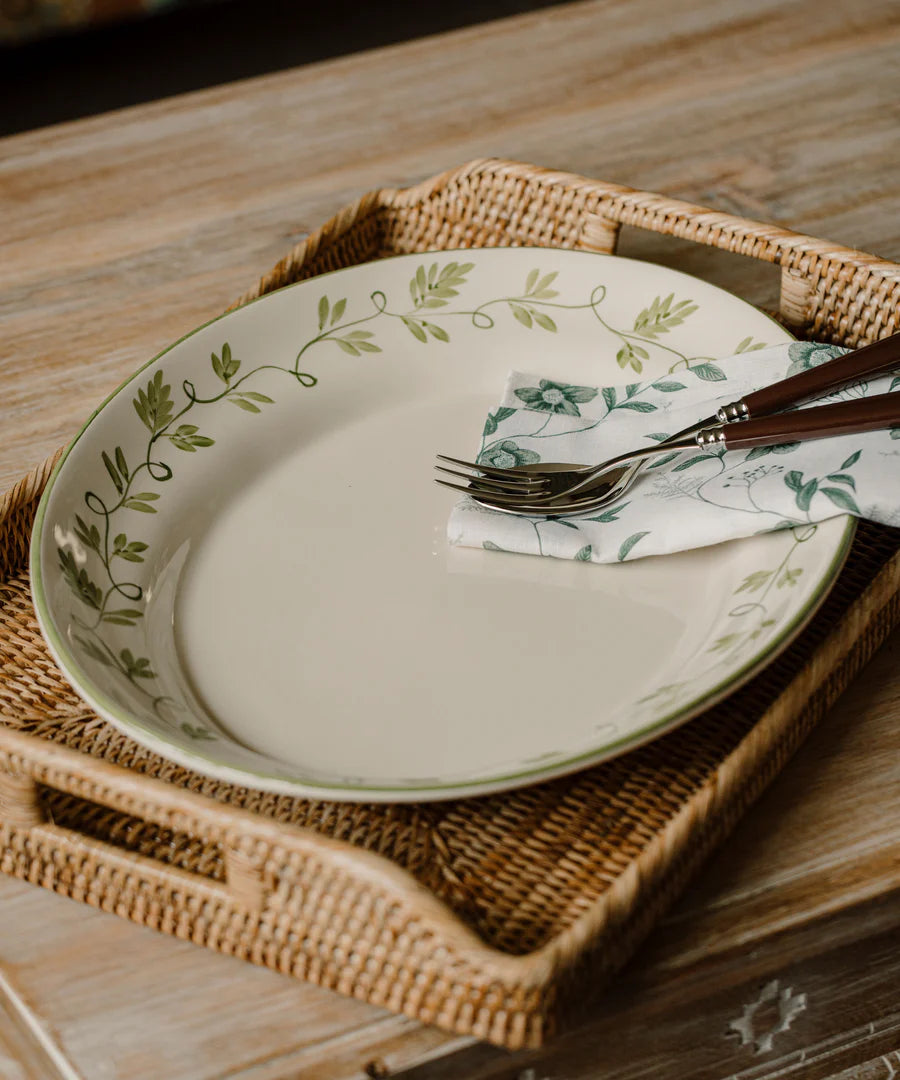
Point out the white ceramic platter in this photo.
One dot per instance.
(241, 561)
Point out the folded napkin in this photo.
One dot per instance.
(685, 500)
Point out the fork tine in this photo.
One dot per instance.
(485, 470)
(510, 484)
(498, 498)
(458, 461)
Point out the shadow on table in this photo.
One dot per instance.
(181, 48)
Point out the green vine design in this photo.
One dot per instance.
(156, 409)
(730, 645)
(659, 317)
(762, 583)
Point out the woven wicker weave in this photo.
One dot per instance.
(485, 916)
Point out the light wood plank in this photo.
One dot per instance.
(28, 1050)
(118, 1000)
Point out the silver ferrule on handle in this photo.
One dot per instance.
(710, 437)
(732, 412)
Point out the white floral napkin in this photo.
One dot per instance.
(685, 500)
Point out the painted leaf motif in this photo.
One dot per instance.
(584, 555)
(226, 366)
(120, 463)
(93, 650)
(747, 345)
(581, 394)
(724, 642)
(661, 461)
(708, 372)
(627, 356)
(229, 364)
(543, 286)
(154, 404)
(662, 315)
(415, 329)
(628, 544)
(809, 354)
(841, 498)
(754, 581)
(437, 332)
(141, 502)
(78, 580)
(89, 535)
(113, 472)
(612, 514)
(136, 667)
(496, 418)
(805, 494)
(757, 452)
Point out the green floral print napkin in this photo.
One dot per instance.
(682, 500)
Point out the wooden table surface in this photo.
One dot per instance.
(120, 233)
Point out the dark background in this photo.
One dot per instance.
(111, 66)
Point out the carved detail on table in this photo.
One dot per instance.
(757, 1026)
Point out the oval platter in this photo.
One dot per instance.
(242, 563)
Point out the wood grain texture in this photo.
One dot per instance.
(28, 1050)
(120, 233)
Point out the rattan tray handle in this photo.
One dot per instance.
(22, 806)
(798, 297)
(274, 874)
(804, 295)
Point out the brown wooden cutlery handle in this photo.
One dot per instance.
(844, 418)
(878, 358)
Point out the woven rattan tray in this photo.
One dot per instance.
(487, 916)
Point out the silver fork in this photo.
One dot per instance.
(524, 495)
(609, 480)
(821, 422)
